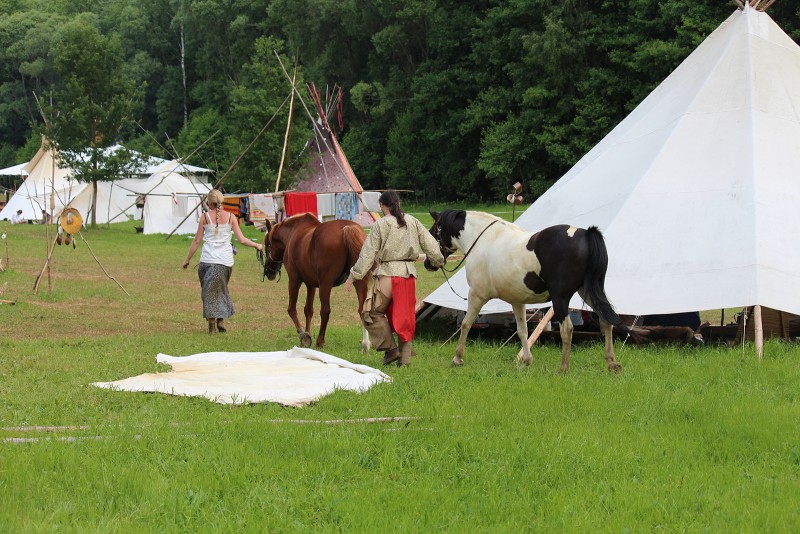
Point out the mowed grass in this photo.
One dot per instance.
(685, 439)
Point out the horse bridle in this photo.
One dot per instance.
(265, 261)
(449, 251)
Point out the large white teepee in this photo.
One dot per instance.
(696, 191)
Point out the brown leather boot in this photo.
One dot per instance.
(406, 353)
(221, 327)
(391, 356)
(212, 327)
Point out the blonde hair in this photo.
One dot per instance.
(215, 197)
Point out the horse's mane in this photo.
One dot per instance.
(492, 217)
(300, 217)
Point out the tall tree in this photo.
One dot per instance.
(93, 103)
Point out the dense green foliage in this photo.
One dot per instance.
(453, 99)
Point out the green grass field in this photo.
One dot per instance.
(685, 439)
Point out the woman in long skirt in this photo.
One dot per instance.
(214, 231)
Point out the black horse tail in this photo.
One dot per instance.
(595, 278)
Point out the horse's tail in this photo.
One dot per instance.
(354, 237)
(595, 278)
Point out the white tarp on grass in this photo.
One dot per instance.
(294, 377)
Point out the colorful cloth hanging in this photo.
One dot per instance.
(301, 202)
(346, 206)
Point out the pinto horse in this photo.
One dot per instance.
(503, 261)
(318, 255)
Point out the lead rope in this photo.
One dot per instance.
(262, 261)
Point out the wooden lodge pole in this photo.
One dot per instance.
(538, 330)
(288, 128)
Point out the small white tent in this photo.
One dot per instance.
(697, 190)
(15, 170)
(114, 200)
(172, 198)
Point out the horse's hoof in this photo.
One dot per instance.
(458, 362)
(615, 367)
(365, 347)
(305, 340)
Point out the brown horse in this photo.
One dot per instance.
(318, 255)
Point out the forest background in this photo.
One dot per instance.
(453, 99)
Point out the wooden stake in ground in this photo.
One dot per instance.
(46, 266)
(8, 262)
(758, 331)
(538, 330)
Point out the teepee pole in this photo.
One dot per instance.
(538, 330)
(288, 127)
(314, 124)
(233, 165)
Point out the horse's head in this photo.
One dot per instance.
(274, 248)
(442, 232)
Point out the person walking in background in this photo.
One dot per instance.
(394, 242)
(214, 230)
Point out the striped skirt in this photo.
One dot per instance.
(214, 279)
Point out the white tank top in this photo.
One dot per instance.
(217, 243)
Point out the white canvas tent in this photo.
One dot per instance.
(697, 190)
(114, 202)
(44, 177)
(172, 198)
(15, 170)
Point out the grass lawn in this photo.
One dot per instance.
(685, 439)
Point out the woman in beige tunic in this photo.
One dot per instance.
(395, 242)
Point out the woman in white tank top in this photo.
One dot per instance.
(214, 231)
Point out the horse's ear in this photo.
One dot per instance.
(267, 226)
(435, 215)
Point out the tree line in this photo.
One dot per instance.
(454, 99)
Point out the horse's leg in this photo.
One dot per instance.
(362, 286)
(522, 331)
(324, 313)
(294, 290)
(561, 314)
(565, 329)
(474, 305)
(608, 336)
(608, 339)
(308, 311)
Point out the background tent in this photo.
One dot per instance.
(15, 170)
(44, 177)
(114, 203)
(697, 190)
(9, 178)
(328, 170)
(172, 198)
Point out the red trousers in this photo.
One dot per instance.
(401, 311)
